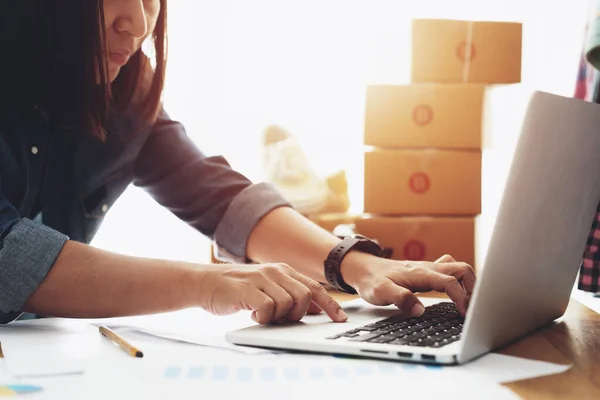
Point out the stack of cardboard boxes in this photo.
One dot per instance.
(422, 178)
(422, 188)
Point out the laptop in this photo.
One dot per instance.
(535, 251)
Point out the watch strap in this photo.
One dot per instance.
(336, 255)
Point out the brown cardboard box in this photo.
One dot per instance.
(330, 221)
(424, 115)
(434, 182)
(422, 238)
(446, 51)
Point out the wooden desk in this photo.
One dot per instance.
(572, 339)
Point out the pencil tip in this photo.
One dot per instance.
(139, 354)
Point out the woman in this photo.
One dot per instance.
(81, 118)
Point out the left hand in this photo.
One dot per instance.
(383, 282)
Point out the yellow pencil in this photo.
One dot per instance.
(120, 341)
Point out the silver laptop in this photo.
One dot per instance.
(533, 258)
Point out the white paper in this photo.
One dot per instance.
(493, 367)
(193, 326)
(288, 376)
(226, 374)
(213, 365)
(48, 347)
(504, 369)
(172, 369)
(50, 387)
(417, 389)
(55, 348)
(199, 327)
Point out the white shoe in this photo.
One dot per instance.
(287, 167)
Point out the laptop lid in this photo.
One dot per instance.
(545, 215)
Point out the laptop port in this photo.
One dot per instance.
(374, 351)
(427, 357)
(404, 355)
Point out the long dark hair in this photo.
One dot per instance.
(52, 53)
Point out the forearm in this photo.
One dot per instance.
(86, 282)
(284, 235)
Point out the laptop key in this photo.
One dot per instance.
(381, 339)
(364, 338)
(439, 325)
(424, 343)
(399, 341)
(397, 318)
(369, 328)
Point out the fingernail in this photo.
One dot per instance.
(417, 310)
(342, 314)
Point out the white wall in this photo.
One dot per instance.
(237, 65)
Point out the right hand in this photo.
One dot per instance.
(273, 292)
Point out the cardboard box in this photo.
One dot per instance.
(422, 238)
(424, 115)
(431, 182)
(445, 51)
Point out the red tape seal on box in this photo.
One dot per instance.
(423, 115)
(414, 250)
(419, 182)
(466, 51)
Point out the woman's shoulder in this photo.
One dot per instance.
(129, 124)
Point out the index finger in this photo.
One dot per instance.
(450, 285)
(322, 299)
(462, 271)
(446, 258)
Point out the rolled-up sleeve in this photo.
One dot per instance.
(28, 251)
(244, 212)
(204, 192)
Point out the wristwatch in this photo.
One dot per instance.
(337, 254)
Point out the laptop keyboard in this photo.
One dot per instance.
(440, 324)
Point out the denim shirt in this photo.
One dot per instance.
(57, 185)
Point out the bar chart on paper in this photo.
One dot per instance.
(290, 372)
(18, 390)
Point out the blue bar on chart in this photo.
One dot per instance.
(18, 390)
(172, 372)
